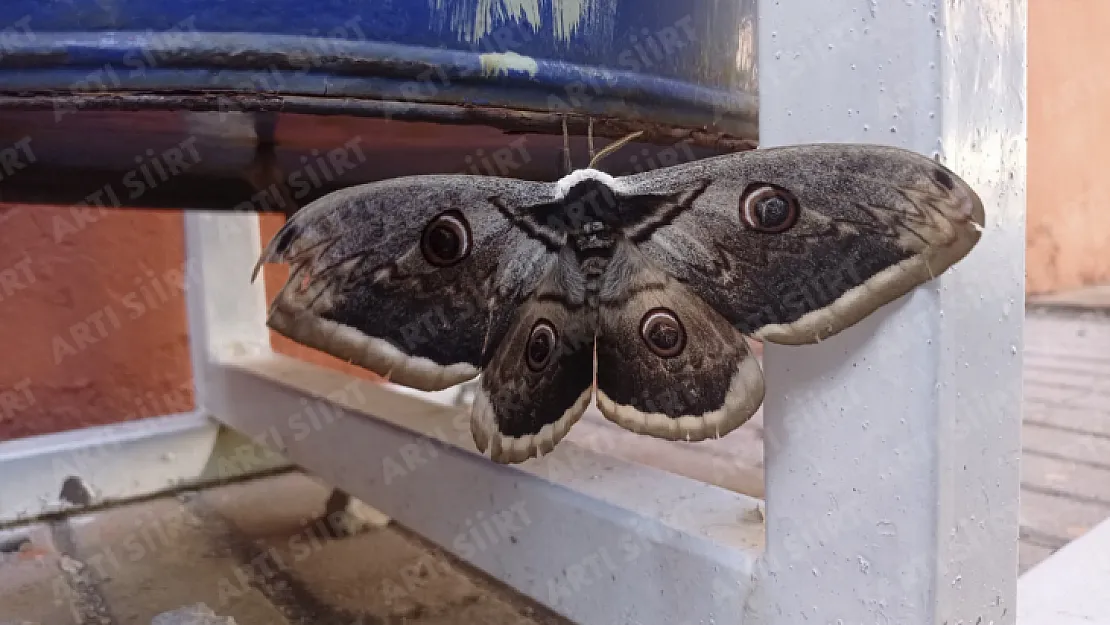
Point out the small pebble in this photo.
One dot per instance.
(197, 614)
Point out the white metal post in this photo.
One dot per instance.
(227, 320)
(227, 313)
(893, 448)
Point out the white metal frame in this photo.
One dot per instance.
(892, 449)
(95, 466)
(1069, 588)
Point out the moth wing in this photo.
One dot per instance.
(369, 282)
(540, 378)
(668, 364)
(872, 223)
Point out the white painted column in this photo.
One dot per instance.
(893, 448)
(227, 314)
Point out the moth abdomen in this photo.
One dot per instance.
(592, 269)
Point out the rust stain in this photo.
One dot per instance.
(507, 119)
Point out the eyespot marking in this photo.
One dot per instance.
(541, 345)
(446, 240)
(663, 333)
(768, 208)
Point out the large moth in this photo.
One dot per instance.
(635, 291)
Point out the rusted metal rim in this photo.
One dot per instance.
(506, 119)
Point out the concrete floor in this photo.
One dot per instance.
(253, 552)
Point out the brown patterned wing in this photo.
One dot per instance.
(794, 244)
(540, 378)
(407, 277)
(668, 365)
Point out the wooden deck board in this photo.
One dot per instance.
(1029, 555)
(1059, 517)
(1038, 397)
(1066, 445)
(1071, 479)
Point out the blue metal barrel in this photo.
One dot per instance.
(100, 85)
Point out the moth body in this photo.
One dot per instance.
(589, 215)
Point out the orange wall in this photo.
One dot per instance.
(92, 327)
(76, 349)
(92, 318)
(1069, 144)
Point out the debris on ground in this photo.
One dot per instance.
(197, 614)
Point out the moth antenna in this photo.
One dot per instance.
(613, 147)
(267, 255)
(257, 268)
(567, 165)
(590, 138)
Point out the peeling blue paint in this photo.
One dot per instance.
(630, 35)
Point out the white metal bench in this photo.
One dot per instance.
(892, 450)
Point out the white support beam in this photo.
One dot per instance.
(227, 313)
(1071, 586)
(68, 471)
(893, 448)
(597, 539)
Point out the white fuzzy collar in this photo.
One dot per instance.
(567, 182)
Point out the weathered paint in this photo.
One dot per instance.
(650, 64)
(505, 63)
(592, 33)
(682, 74)
(595, 16)
(746, 59)
(474, 20)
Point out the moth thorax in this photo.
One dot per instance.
(589, 204)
